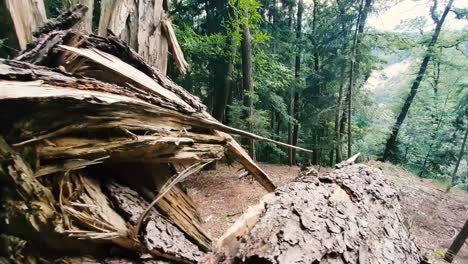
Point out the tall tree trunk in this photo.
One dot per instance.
(351, 79)
(86, 23)
(457, 243)
(291, 92)
(391, 142)
(247, 81)
(460, 157)
(222, 69)
(27, 17)
(297, 71)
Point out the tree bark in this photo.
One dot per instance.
(351, 215)
(247, 81)
(86, 23)
(391, 142)
(27, 16)
(457, 244)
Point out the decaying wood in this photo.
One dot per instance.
(27, 16)
(351, 215)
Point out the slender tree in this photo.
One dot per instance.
(297, 72)
(460, 157)
(391, 142)
(352, 77)
(247, 79)
(221, 16)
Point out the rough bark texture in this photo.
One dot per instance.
(158, 232)
(351, 215)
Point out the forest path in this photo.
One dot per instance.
(433, 215)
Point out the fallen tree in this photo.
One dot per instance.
(351, 215)
(79, 112)
(95, 142)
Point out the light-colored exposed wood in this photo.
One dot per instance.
(138, 22)
(86, 23)
(27, 16)
(174, 46)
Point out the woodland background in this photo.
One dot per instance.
(318, 75)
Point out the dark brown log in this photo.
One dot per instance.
(351, 215)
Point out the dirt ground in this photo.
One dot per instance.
(434, 216)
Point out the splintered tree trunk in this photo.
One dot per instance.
(457, 244)
(86, 23)
(247, 81)
(27, 16)
(138, 23)
(351, 215)
(391, 142)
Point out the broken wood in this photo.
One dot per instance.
(88, 111)
(138, 23)
(27, 16)
(64, 21)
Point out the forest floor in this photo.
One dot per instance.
(433, 216)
